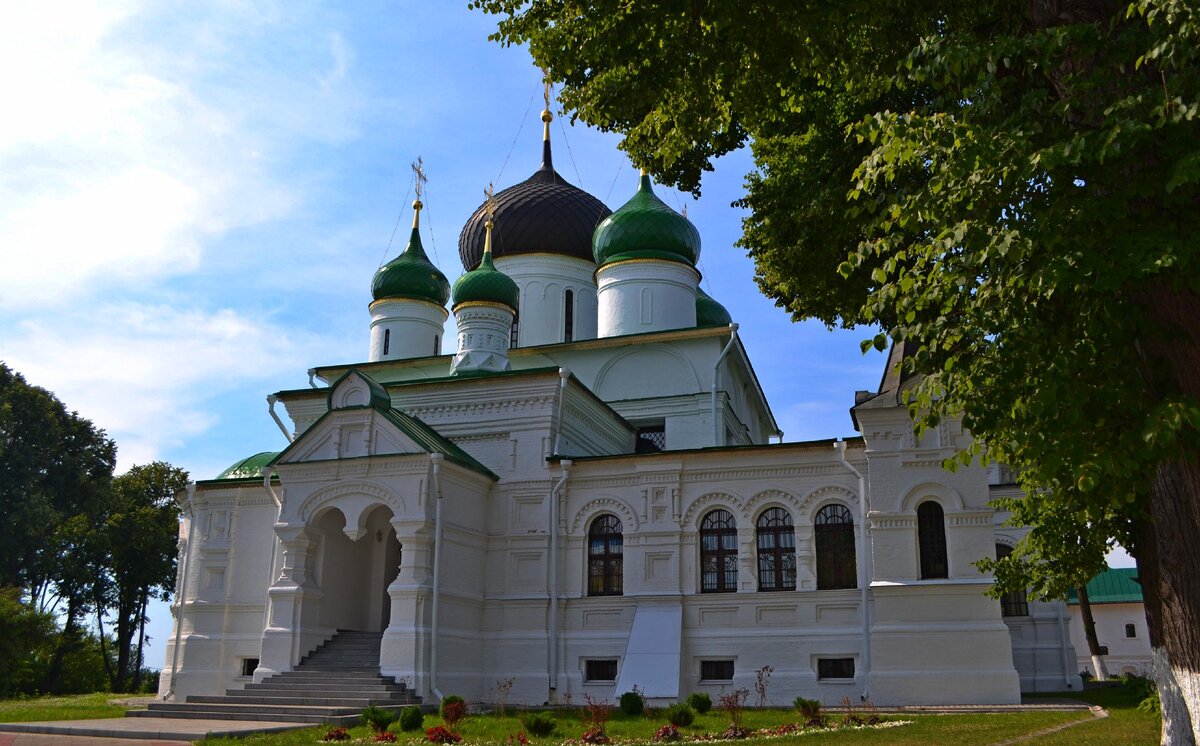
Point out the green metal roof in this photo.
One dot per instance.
(709, 312)
(411, 275)
(646, 228)
(251, 466)
(486, 284)
(1116, 585)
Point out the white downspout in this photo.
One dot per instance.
(436, 459)
(864, 576)
(271, 399)
(191, 492)
(554, 493)
(266, 471)
(564, 374)
(716, 374)
(312, 372)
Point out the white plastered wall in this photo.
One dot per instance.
(543, 280)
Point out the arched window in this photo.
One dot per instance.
(835, 548)
(387, 340)
(718, 553)
(776, 539)
(1013, 603)
(1131, 630)
(568, 315)
(605, 565)
(931, 537)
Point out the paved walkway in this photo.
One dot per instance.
(116, 731)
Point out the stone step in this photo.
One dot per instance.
(335, 699)
(354, 689)
(278, 713)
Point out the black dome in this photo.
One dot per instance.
(541, 215)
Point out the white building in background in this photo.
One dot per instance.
(582, 496)
(1115, 596)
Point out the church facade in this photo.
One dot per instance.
(583, 496)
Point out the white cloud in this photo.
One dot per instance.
(148, 375)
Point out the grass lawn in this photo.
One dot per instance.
(72, 707)
(1125, 722)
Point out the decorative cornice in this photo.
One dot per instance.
(611, 504)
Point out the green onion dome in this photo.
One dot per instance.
(251, 466)
(645, 228)
(486, 284)
(411, 275)
(709, 312)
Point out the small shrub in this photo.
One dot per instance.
(680, 715)
(441, 734)
(453, 709)
(595, 735)
(521, 740)
(700, 702)
(377, 718)
(540, 724)
(734, 704)
(632, 703)
(595, 718)
(503, 689)
(336, 734)
(667, 734)
(411, 719)
(762, 678)
(810, 711)
(384, 737)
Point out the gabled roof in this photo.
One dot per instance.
(1116, 585)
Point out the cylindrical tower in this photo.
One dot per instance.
(409, 306)
(647, 278)
(485, 304)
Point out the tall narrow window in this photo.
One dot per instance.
(776, 539)
(568, 315)
(387, 340)
(931, 536)
(834, 529)
(718, 553)
(512, 335)
(437, 347)
(605, 563)
(1013, 603)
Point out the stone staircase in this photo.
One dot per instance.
(333, 684)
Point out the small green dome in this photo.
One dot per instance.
(645, 228)
(411, 275)
(486, 284)
(709, 312)
(251, 466)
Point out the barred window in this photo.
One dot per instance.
(931, 536)
(834, 530)
(651, 439)
(605, 563)
(600, 669)
(1013, 603)
(776, 540)
(716, 670)
(718, 553)
(835, 668)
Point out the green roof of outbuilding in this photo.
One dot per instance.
(411, 275)
(1116, 585)
(486, 284)
(251, 466)
(709, 312)
(646, 228)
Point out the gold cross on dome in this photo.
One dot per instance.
(419, 172)
(490, 204)
(546, 87)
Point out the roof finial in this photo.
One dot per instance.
(685, 209)
(490, 207)
(419, 174)
(546, 115)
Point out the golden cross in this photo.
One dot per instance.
(490, 204)
(419, 170)
(546, 88)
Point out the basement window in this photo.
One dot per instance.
(834, 669)
(248, 666)
(600, 670)
(716, 670)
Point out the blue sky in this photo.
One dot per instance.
(194, 198)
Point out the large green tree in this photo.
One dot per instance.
(136, 535)
(1012, 188)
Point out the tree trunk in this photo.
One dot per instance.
(137, 671)
(1176, 723)
(66, 640)
(1089, 633)
(108, 669)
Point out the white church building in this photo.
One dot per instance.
(581, 493)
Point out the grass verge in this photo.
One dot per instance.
(71, 707)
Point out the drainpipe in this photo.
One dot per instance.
(563, 374)
(271, 399)
(312, 372)
(864, 577)
(779, 434)
(191, 493)
(274, 542)
(716, 373)
(554, 493)
(436, 460)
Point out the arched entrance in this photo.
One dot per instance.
(354, 574)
